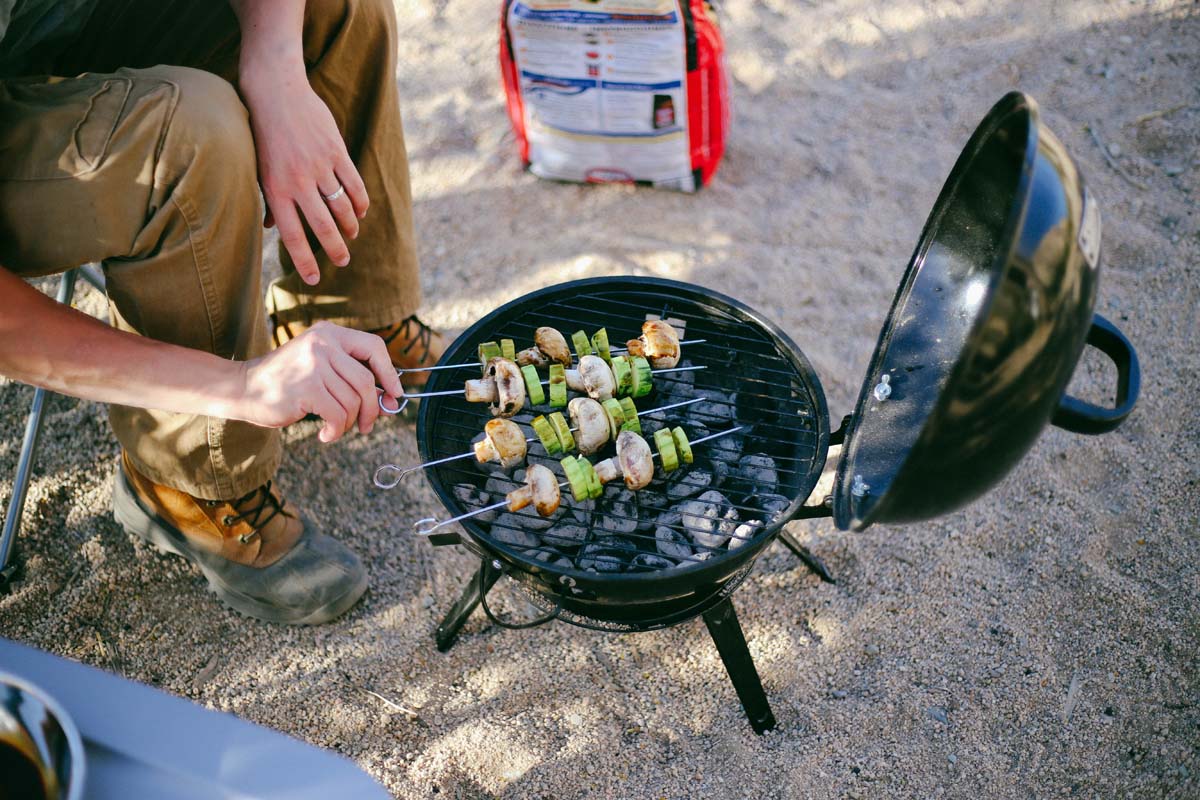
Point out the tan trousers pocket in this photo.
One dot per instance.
(57, 128)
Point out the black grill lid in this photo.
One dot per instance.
(984, 332)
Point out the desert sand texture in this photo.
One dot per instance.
(1042, 642)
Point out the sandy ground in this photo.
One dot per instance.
(1042, 642)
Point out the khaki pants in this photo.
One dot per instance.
(150, 169)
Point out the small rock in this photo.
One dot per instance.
(1114, 150)
(838, 694)
(953, 759)
(427, 601)
(1173, 169)
(938, 714)
(872, 649)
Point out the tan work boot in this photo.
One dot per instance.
(259, 554)
(410, 342)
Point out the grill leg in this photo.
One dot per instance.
(723, 626)
(813, 563)
(481, 582)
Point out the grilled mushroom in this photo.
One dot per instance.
(532, 357)
(588, 416)
(503, 441)
(540, 489)
(597, 378)
(482, 390)
(544, 487)
(552, 343)
(635, 460)
(510, 387)
(660, 344)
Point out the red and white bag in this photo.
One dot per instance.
(616, 90)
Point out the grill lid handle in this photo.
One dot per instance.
(1078, 416)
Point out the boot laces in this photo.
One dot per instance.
(424, 336)
(257, 516)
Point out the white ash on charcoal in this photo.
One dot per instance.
(650, 561)
(722, 454)
(718, 409)
(755, 473)
(743, 533)
(609, 554)
(616, 514)
(510, 529)
(690, 483)
(709, 519)
(567, 535)
(672, 542)
(472, 497)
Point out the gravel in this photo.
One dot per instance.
(847, 118)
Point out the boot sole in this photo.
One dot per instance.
(149, 527)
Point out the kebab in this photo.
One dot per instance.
(506, 387)
(505, 442)
(634, 463)
(550, 346)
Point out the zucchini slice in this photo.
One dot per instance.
(595, 487)
(533, 384)
(631, 416)
(643, 378)
(580, 488)
(582, 346)
(563, 431)
(600, 344)
(546, 435)
(508, 349)
(682, 445)
(616, 416)
(558, 386)
(665, 443)
(488, 351)
(622, 375)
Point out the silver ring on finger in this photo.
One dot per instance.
(329, 198)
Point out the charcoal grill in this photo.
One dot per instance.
(985, 330)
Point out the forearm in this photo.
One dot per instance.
(47, 344)
(272, 53)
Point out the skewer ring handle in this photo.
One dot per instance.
(383, 482)
(392, 412)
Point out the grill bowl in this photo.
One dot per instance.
(778, 397)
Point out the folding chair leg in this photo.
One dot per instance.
(33, 429)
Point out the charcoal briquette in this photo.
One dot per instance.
(690, 483)
(709, 519)
(756, 472)
(649, 561)
(511, 529)
(565, 534)
(743, 533)
(672, 543)
(772, 505)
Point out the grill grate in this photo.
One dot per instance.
(749, 380)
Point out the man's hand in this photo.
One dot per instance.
(327, 370)
(302, 158)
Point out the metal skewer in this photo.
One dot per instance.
(478, 364)
(426, 526)
(404, 472)
(451, 392)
